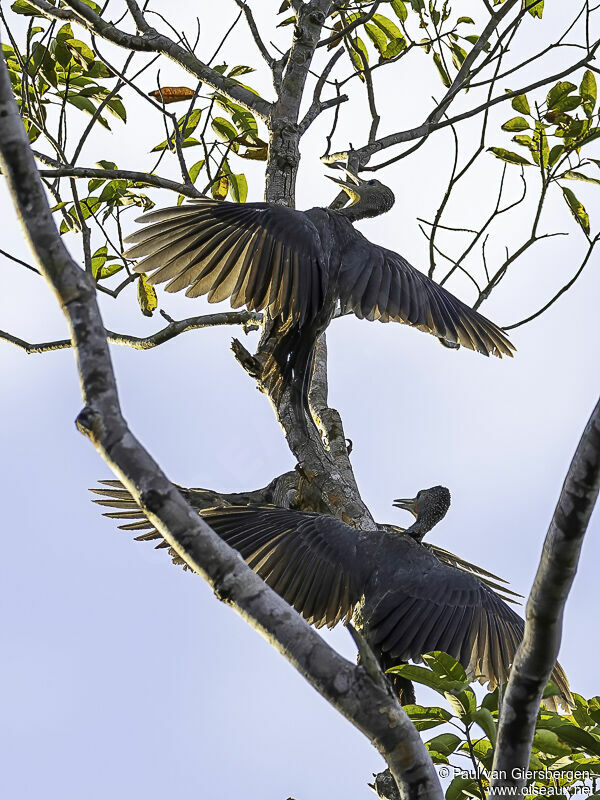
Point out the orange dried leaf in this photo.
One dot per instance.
(172, 94)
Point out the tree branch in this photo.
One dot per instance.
(318, 105)
(151, 41)
(271, 62)
(560, 292)
(369, 706)
(363, 154)
(538, 651)
(68, 171)
(172, 330)
(339, 35)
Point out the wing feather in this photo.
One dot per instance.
(246, 251)
(412, 298)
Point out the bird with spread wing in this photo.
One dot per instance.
(300, 266)
(408, 598)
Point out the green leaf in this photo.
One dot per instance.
(98, 70)
(558, 93)
(98, 259)
(569, 103)
(445, 666)
(22, 7)
(445, 743)
(190, 126)
(108, 270)
(357, 50)
(462, 789)
(458, 54)
(80, 51)
(64, 32)
(394, 47)
(509, 156)
(437, 59)
(555, 153)
(255, 153)
(516, 124)
(427, 678)
(577, 209)
(85, 104)
(400, 10)
(391, 30)
(466, 20)
(520, 103)
(425, 717)
(579, 176)
(463, 703)
(220, 188)
(241, 70)
(238, 187)
(191, 121)
(116, 107)
(589, 92)
(593, 134)
(95, 183)
(482, 750)
(576, 737)
(146, 295)
(378, 38)
(545, 741)
(524, 141)
(540, 150)
(113, 190)
(62, 55)
(474, 39)
(194, 170)
(223, 128)
(535, 10)
(486, 722)
(490, 701)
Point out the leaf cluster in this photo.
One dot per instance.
(565, 758)
(556, 134)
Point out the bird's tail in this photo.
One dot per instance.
(289, 368)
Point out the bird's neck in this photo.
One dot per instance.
(418, 530)
(357, 211)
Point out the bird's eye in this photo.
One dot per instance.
(371, 183)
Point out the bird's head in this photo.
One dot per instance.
(428, 508)
(367, 198)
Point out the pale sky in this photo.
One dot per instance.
(124, 677)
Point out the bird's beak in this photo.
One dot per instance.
(350, 185)
(409, 504)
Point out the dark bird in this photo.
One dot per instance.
(407, 598)
(299, 265)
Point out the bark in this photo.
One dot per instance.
(538, 652)
(284, 141)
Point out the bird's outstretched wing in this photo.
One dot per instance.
(439, 607)
(260, 255)
(499, 585)
(321, 567)
(495, 582)
(376, 283)
(314, 567)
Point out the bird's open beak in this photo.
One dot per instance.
(350, 185)
(409, 504)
